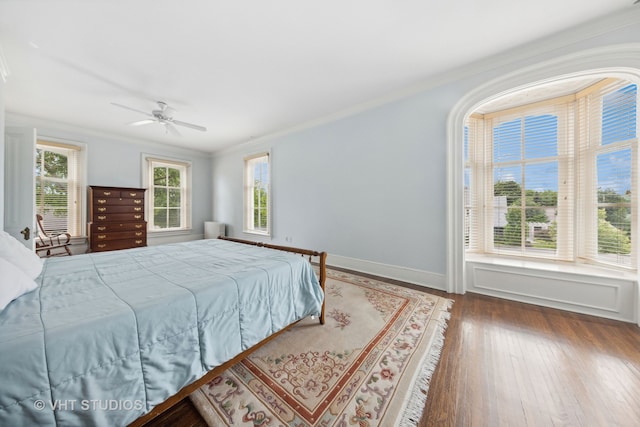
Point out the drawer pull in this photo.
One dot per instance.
(102, 201)
(138, 233)
(138, 225)
(137, 209)
(137, 201)
(137, 216)
(102, 209)
(102, 236)
(107, 193)
(138, 242)
(102, 217)
(133, 194)
(102, 228)
(102, 245)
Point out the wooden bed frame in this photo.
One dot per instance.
(187, 390)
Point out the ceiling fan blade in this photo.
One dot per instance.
(142, 122)
(132, 109)
(189, 125)
(172, 129)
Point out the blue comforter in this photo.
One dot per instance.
(108, 336)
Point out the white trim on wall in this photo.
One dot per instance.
(405, 274)
(623, 60)
(4, 67)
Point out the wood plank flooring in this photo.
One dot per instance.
(511, 364)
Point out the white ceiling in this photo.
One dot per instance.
(245, 69)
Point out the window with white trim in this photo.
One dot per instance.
(257, 194)
(60, 186)
(556, 179)
(168, 183)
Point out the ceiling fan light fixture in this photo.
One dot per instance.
(163, 115)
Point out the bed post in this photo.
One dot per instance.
(323, 276)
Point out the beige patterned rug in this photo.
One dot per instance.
(369, 365)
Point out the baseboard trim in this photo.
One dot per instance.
(409, 275)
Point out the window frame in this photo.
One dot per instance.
(151, 161)
(580, 249)
(80, 178)
(249, 187)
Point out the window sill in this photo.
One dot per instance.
(257, 233)
(551, 266)
(183, 231)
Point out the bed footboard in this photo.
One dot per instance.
(321, 257)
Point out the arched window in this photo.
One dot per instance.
(551, 171)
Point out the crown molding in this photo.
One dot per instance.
(562, 39)
(4, 67)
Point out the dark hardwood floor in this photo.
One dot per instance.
(511, 364)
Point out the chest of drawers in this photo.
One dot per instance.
(116, 216)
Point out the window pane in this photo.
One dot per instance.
(541, 206)
(174, 218)
(540, 136)
(507, 198)
(619, 115)
(160, 217)
(159, 176)
(507, 183)
(39, 165)
(55, 165)
(507, 139)
(160, 197)
(467, 182)
(466, 144)
(174, 198)
(510, 235)
(614, 176)
(173, 178)
(614, 244)
(614, 210)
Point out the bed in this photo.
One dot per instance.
(114, 338)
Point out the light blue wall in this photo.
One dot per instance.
(2, 152)
(372, 186)
(114, 161)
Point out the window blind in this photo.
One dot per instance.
(530, 182)
(557, 179)
(472, 215)
(608, 173)
(257, 194)
(59, 187)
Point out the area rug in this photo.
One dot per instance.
(368, 365)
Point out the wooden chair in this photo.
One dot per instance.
(47, 242)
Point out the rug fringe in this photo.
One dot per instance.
(418, 398)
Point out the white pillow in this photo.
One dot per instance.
(13, 283)
(18, 254)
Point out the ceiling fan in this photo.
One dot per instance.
(162, 115)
